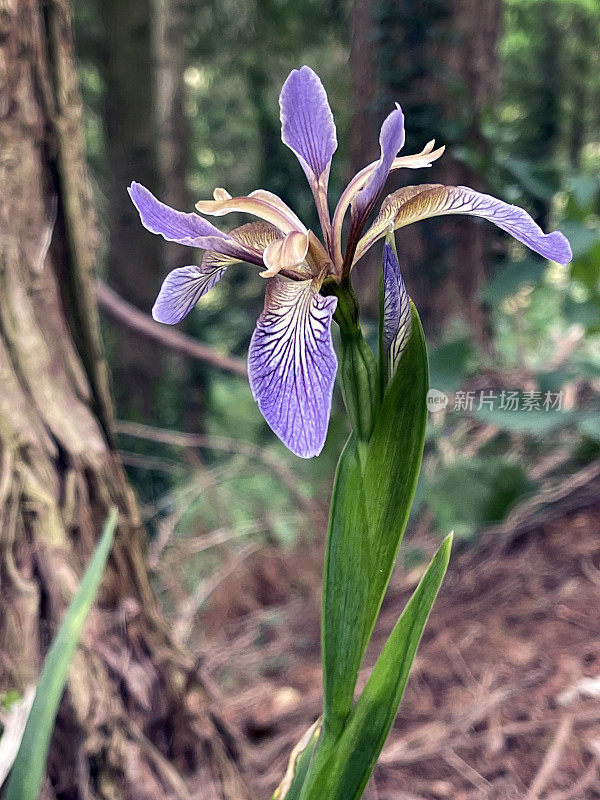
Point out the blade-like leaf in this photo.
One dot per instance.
(298, 764)
(344, 775)
(28, 768)
(372, 495)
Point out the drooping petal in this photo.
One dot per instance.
(260, 203)
(185, 286)
(181, 290)
(307, 125)
(292, 364)
(415, 203)
(396, 310)
(185, 228)
(285, 253)
(175, 226)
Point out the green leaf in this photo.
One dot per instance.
(590, 426)
(345, 773)
(298, 764)
(373, 492)
(28, 769)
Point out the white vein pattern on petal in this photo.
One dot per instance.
(397, 319)
(292, 364)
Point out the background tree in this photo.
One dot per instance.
(133, 702)
(440, 60)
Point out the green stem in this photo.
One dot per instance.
(358, 369)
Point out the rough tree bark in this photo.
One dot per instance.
(133, 706)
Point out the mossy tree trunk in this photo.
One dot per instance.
(133, 707)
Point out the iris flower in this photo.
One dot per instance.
(291, 359)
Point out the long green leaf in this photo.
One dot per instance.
(344, 774)
(372, 495)
(28, 769)
(298, 765)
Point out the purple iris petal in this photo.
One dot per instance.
(414, 203)
(391, 140)
(292, 364)
(512, 219)
(181, 290)
(186, 228)
(175, 226)
(396, 309)
(307, 125)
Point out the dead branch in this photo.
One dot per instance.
(119, 309)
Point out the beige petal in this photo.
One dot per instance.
(285, 253)
(260, 204)
(274, 200)
(257, 235)
(396, 209)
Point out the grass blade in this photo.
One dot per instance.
(28, 769)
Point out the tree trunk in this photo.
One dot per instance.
(134, 266)
(133, 704)
(170, 22)
(364, 145)
(439, 60)
(473, 57)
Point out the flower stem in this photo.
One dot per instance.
(358, 369)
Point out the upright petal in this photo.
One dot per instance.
(396, 310)
(183, 287)
(415, 203)
(307, 125)
(415, 161)
(186, 228)
(391, 140)
(363, 200)
(292, 364)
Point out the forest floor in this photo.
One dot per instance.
(504, 699)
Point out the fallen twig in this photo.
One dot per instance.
(551, 759)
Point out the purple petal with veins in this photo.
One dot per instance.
(186, 228)
(414, 203)
(307, 125)
(396, 310)
(292, 364)
(181, 290)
